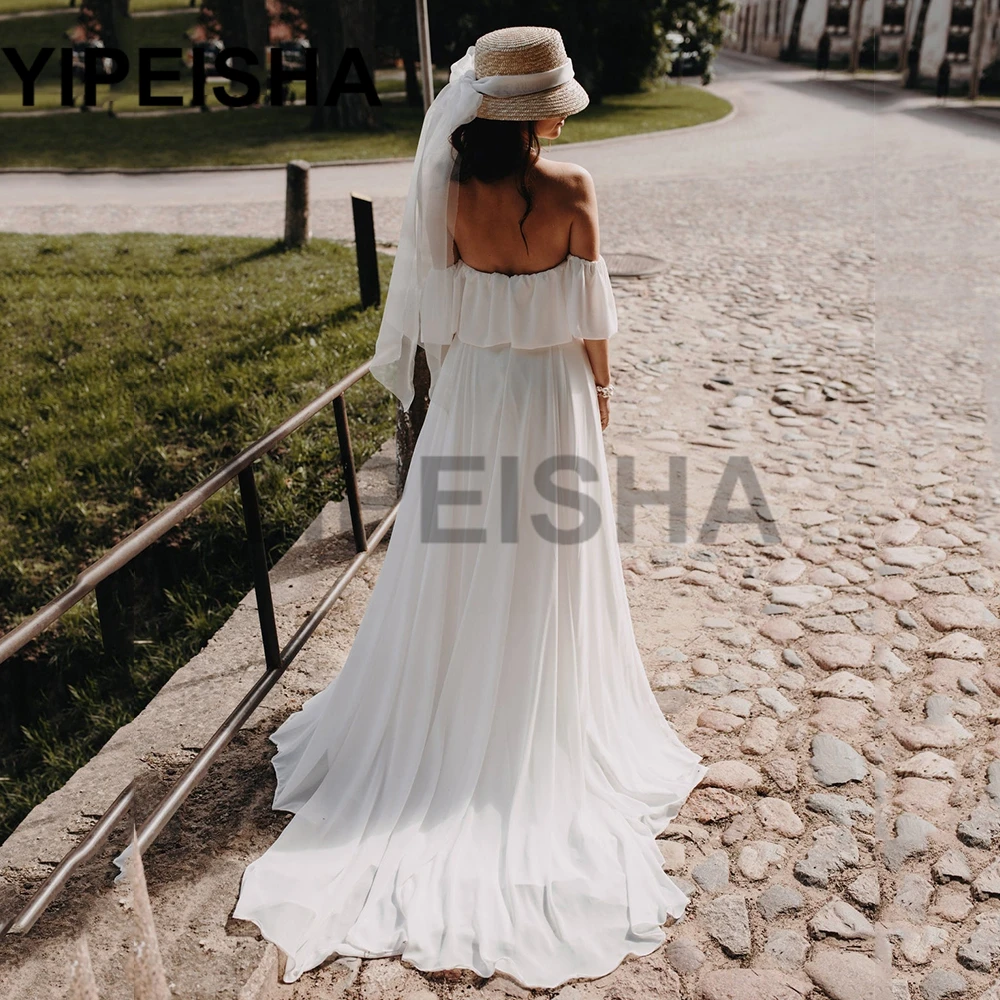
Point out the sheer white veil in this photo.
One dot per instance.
(426, 236)
(425, 239)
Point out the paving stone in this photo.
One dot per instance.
(738, 829)
(777, 702)
(839, 919)
(727, 921)
(892, 591)
(955, 612)
(712, 874)
(981, 950)
(840, 715)
(833, 850)
(778, 899)
(800, 596)
(845, 684)
(756, 857)
(913, 894)
(786, 571)
(912, 838)
(761, 736)
(987, 882)
(673, 854)
(899, 533)
(836, 651)
(886, 659)
(865, 890)
(952, 865)
(928, 764)
(830, 624)
(764, 659)
(913, 557)
(752, 984)
(733, 775)
(684, 956)
(982, 827)
(918, 943)
(777, 814)
(839, 808)
(720, 722)
(953, 902)
(710, 805)
(848, 975)
(783, 771)
(943, 585)
(780, 629)
(835, 762)
(942, 983)
(787, 948)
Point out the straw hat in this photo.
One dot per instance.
(526, 50)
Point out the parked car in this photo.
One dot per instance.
(293, 53)
(211, 49)
(106, 64)
(293, 57)
(690, 63)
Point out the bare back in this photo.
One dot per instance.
(562, 220)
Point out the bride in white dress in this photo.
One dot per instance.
(482, 784)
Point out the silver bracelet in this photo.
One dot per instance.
(607, 391)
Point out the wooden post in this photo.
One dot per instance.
(364, 242)
(297, 204)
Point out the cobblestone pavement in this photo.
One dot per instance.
(828, 312)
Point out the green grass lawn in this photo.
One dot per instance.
(254, 135)
(19, 6)
(134, 365)
(276, 135)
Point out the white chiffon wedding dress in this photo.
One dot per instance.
(482, 784)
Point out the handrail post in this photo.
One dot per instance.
(364, 243)
(350, 475)
(258, 560)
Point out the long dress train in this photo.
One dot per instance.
(482, 784)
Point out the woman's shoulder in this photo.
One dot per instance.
(570, 179)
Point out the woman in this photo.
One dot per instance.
(482, 784)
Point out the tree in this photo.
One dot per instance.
(699, 23)
(914, 49)
(112, 22)
(792, 51)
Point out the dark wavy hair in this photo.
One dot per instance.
(490, 150)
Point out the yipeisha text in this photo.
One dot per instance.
(95, 72)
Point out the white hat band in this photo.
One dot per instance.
(519, 84)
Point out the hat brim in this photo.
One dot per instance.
(558, 102)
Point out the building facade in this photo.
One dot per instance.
(966, 32)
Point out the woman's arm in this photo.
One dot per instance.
(584, 241)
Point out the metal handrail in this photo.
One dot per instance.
(276, 660)
(172, 515)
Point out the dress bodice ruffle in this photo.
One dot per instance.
(574, 299)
